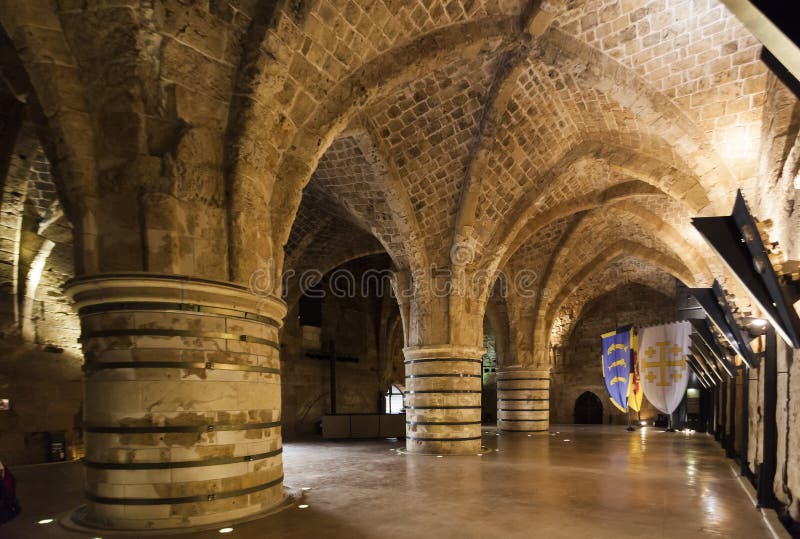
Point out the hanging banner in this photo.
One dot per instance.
(617, 365)
(663, 365)
(635, 389)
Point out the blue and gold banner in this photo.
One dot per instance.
(618, 365)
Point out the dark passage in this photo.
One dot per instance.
(588, 409)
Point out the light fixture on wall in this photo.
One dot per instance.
(737, 241)
(758, 322)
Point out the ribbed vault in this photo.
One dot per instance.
(618, 272)
(534, 135)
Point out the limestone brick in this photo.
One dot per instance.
(172, 397)
(565, 143)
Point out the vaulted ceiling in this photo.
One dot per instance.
(560, 136)
(575, 149)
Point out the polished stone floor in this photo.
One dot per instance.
(577, 482)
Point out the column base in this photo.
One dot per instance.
(79, 519)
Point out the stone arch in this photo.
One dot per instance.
(651, 227)
(586, 202)
(547, 312)
(497, 317)
(539, 213)
(588, 409)
(601, 284)
(43, 73)
(322, 266)
(266, 183)
(644, 100)
(355, 173)
(642, 178)
(655, 258)
(611, 77)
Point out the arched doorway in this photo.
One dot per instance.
(588, 409)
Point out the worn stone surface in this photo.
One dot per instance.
(197, 387)
(564, 476)
(560, 148)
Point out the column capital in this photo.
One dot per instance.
(183, 290)
(443, 351)
(545, 369)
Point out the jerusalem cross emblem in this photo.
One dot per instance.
(663, 363)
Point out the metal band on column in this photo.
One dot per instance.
(443, 401)
(523, 401)
(182, 404)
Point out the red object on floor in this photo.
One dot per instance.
(9, 506)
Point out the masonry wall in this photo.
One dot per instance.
(579, 371)
(772, 198)
(354, 325)
(40, 357)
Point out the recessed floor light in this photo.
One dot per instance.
(438, 456)
(46, 521)
(303, 506)
(225, 530)
(567, 440)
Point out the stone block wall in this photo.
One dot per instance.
(579, 371)
(355, 326)
(772, 198)
(40, 357)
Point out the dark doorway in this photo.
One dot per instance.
(588, 409)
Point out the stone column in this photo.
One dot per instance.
(182, 401)
(523, 400)
(443, 399)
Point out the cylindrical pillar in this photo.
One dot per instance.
(182, 401)
(523, 400)
(443, 400)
